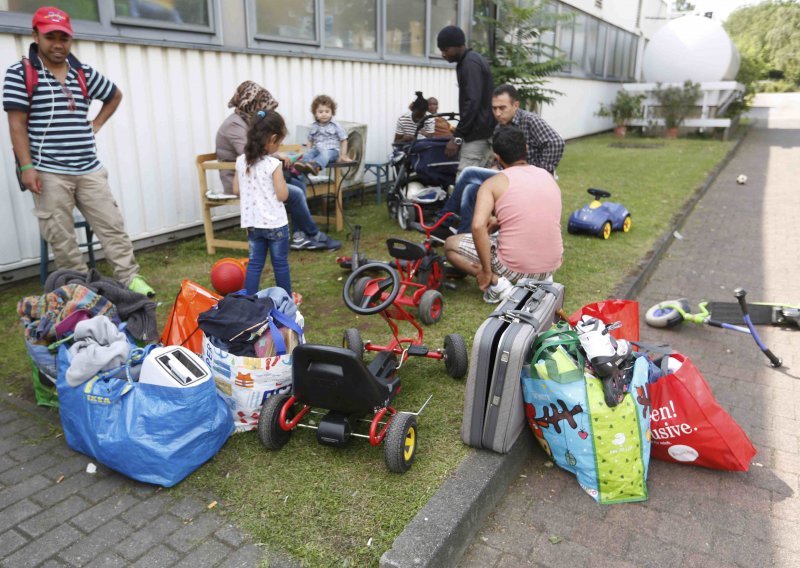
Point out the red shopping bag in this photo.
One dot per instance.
(181, 328)
(687, 425)
(609, 311)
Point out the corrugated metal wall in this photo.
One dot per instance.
(174, 100)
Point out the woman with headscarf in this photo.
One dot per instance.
(250, 97)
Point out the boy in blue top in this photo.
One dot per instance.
(327, 139)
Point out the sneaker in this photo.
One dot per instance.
(140, 286)
(323, 241)
(302, 167)
(301, 241)
(496, 293)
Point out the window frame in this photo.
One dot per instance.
(127, 21)
(255, 39)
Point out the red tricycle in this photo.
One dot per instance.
(377, 288)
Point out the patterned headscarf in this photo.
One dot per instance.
(250, 98)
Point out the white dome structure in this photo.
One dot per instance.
(690, 47)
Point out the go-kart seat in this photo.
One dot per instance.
(336, 379)
(405, 250)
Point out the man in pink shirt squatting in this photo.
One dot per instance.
(524, 202)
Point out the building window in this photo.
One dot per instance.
(579, 41)
(443, 13)
(351, 24)
(565, 34)
(77, 9)
(287, 20)
(180, 14)
(405, 27)
(600, 56)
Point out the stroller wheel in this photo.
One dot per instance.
(405, 215)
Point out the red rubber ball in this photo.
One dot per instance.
(227, 275)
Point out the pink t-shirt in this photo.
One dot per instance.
(529, 213)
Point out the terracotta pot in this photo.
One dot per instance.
(671, 132)
(620, 131)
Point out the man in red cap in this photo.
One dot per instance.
(47, 98)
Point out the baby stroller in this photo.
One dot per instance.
(423, 175)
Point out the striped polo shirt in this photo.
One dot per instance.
(60, 134)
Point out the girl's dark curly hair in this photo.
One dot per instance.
(264, 125)
(323, 100)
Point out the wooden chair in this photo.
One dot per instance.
(330, 187)
(206, 162)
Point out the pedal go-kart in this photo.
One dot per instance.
(335, 384)
(376, 288)
(419, 264)
(600, 218)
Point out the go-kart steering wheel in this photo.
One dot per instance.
(390, 283)
(598, 193)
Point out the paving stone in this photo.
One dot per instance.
(647, 551)
(54, 516)
(743, 550)
(59, 491)
(16, 513)
(10, 541)
(42, 548)
(151, 507)
(52, 563)
(22, 490)
(209, 553)
(231, 535)
(143, 539)
(248, 556)
(564, 553)
(97, 543)
(104, 512)
(67, 466)
(516, 536)
(104, 487)
(698, 560)
(158, 557)
(107, 560)
(605, 537)
(28, 451)
(193, 533)
(187, 508)
(7, 462)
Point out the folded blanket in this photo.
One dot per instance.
(98, 345)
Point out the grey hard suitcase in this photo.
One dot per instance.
(494, 413)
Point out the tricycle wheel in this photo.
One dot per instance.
(269, 429)
(663, 315)
(400, 444)
(431, 307)
(605, 231)
(626, 224)
(455, 355)
(352, 341)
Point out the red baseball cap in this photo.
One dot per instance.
(49, 19)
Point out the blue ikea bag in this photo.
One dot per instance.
(150, 433)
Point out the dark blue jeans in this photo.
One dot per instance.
(297, 206)
(465, 193)
(276, 243)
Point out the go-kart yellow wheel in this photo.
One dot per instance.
(605, 232)
(400, 444)
(626, 224)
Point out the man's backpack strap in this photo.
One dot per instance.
(32, 76)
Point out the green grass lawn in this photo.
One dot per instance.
(335, 507)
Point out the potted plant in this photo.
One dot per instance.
(625, 108)
(676, 103)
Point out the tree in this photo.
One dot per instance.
(769, 35)
(509, 37)
(683, 6)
